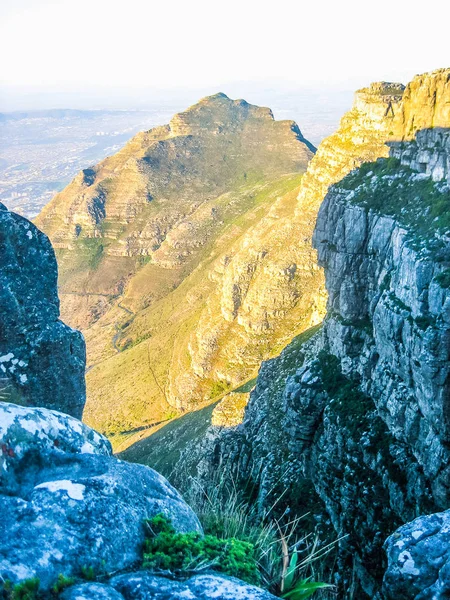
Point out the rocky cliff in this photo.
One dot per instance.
(42, 361)
(269, 283)
(352, 424)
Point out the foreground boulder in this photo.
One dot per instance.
(419, 560)
(145, 586)
(68, 508)
(42, 361)
(67, 505)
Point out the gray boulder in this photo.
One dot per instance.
(42, 360)
(419, 560)
(70, 505)
(91, 591)
(145, 586)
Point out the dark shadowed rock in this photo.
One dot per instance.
(419, 560)
(68, 505)
(42, 361)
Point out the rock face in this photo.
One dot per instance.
(67, 504)
(428, 153)
(42, 361)
(353, 424)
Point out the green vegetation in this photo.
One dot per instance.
(26, 590)
(443, 279)
(365, 324)
(356, 412)
(88, 572)
(165, 549)
(425, 322)
(292, 356)
(415, 201)
(62, 583)
(226, 512)
(348, 402)
(91, 249)
(304, 589)
(30, 589)
(218, 388)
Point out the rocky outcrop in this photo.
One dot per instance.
(67, 504)
(429, 153)
(42, 361)
(352, 424)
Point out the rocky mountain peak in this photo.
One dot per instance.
(425, 103)
(216, 114)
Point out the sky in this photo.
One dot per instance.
(62, 51)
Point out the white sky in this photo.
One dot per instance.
(70, 44)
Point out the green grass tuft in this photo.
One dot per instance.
(165, 549)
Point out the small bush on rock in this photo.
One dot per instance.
(62, 583)
(443, 279)
(167, 550)
(26, 590)
(30, 589)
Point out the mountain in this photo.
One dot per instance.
(349, 423)
(142, 240)
(270, 286)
